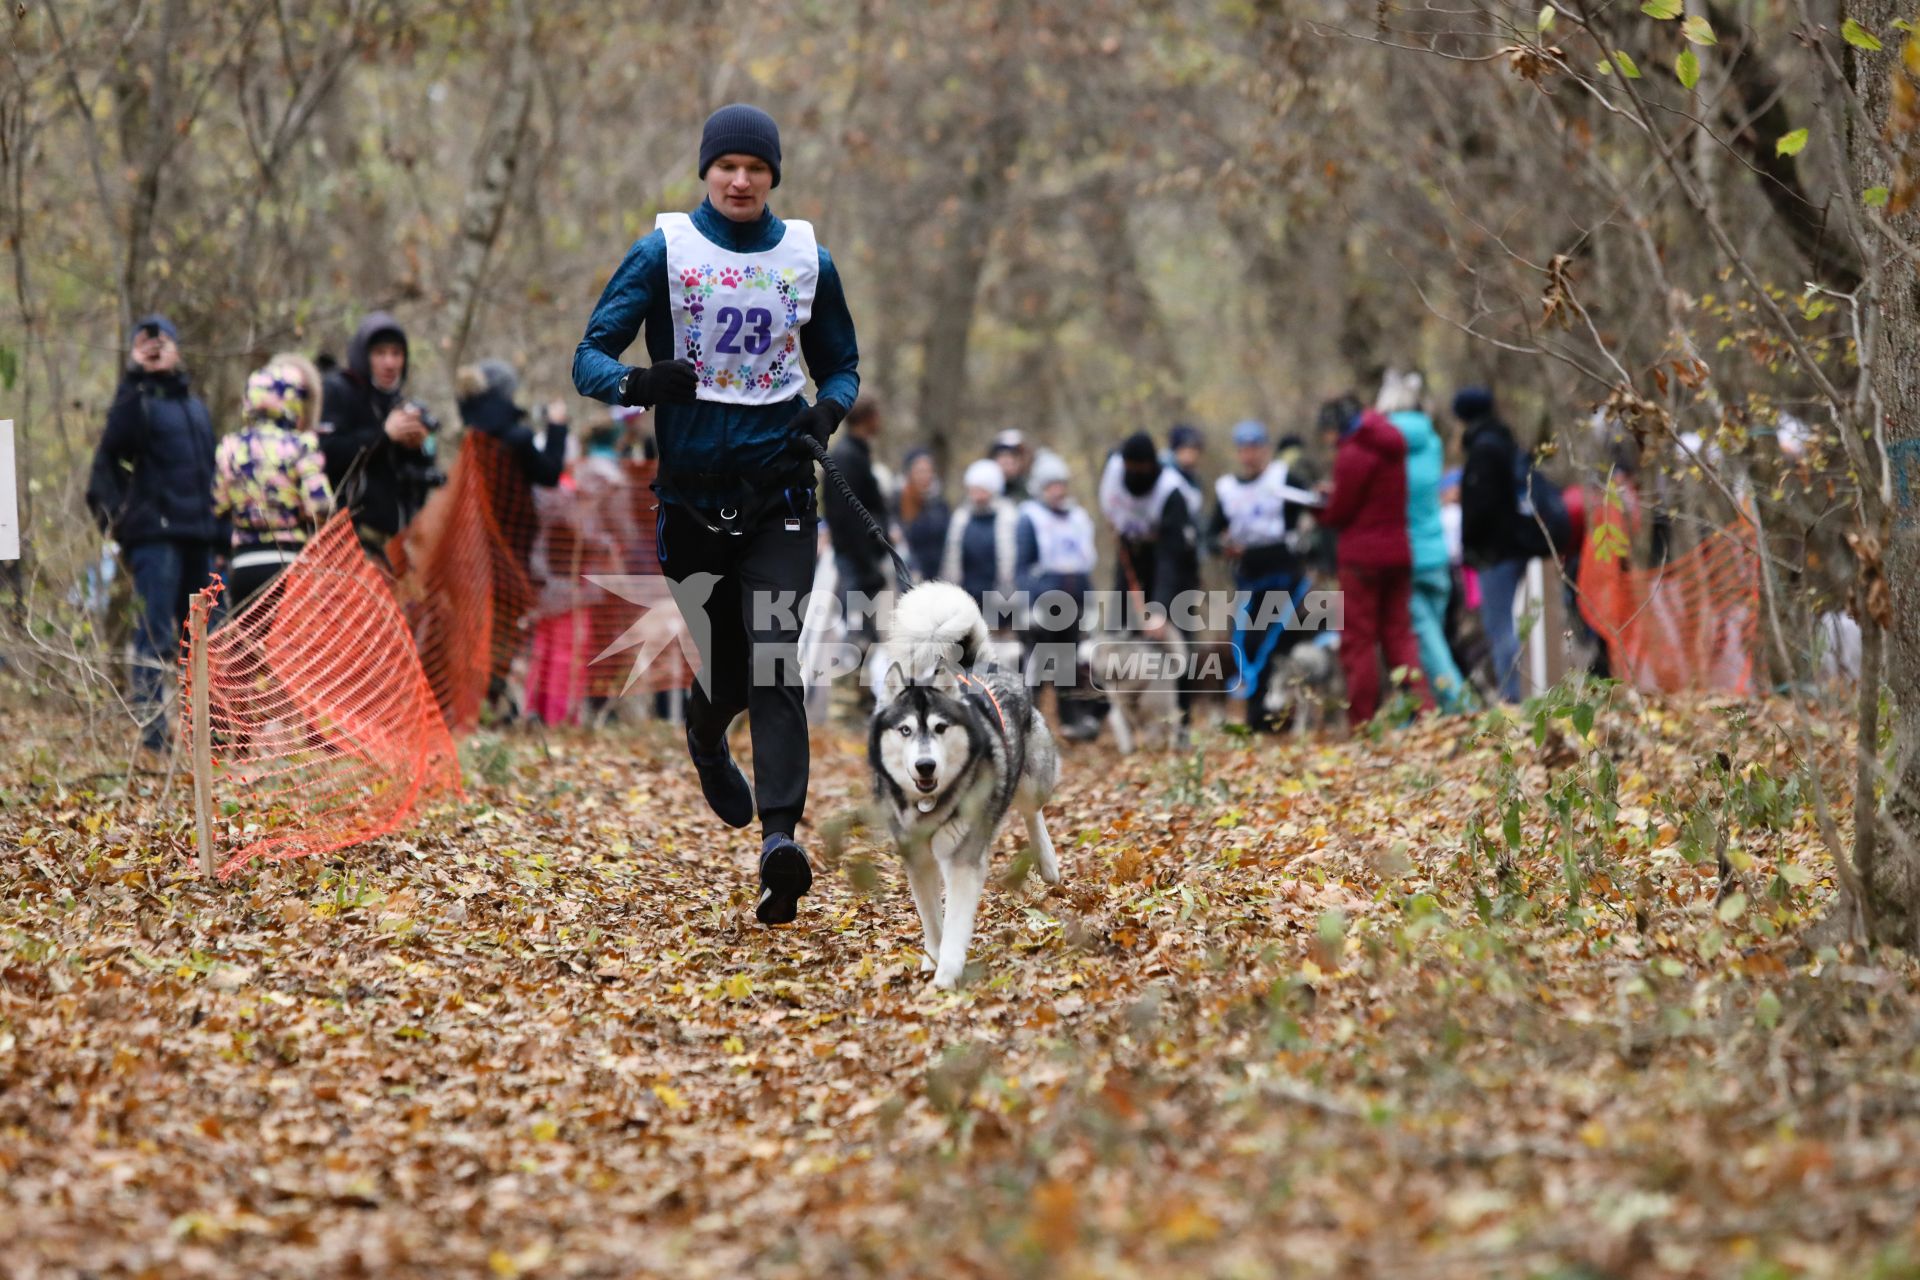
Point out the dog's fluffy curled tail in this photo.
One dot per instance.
(935, 622)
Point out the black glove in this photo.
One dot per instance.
(819, 421)
(669, 382)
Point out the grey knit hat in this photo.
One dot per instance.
(500, 376)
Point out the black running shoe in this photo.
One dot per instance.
(724, 786)
(784, 876)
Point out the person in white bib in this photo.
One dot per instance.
(1053, 562)
(733, 301)
(1257, 510)
(1155, 513)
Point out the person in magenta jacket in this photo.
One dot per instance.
(1367, 508)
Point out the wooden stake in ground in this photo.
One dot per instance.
(202, 730)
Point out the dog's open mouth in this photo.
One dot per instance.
(925, 786)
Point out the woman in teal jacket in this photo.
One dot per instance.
(1432, 571)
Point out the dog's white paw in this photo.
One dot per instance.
(1051, 876)
(944, 980)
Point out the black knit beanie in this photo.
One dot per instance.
(738, 129)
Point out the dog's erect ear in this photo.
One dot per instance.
(892, 681)
(946, 679)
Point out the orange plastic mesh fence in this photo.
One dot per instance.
(323, 730)
(514, 590)
(336, 695)
(463, 580)
(601, 592)
(1689, 625)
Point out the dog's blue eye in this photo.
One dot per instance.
(906, 731)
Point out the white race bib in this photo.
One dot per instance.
(737, 316)
(1256, 509)
(1064, 539)
(1139, 516)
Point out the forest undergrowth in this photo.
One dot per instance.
(1532, 995)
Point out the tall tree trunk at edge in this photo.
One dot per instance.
(493, 169)
(1893, 873)
(956, 291)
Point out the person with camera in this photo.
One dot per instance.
(378, 443)
(151, 489)
(732, 298)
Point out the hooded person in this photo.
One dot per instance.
(378, 444)
(981, 538)
(151, 489)
(1155, 513)
(1257, 510)
(1367, 509)
(1400, 400)
(732, 299)
(1489, 507)
(270, 481)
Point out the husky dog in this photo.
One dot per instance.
(1133, 672)
(1304, 691)
(953, 748)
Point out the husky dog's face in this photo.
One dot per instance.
(920, 741)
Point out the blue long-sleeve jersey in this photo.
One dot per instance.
(706, 436)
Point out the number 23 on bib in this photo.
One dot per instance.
(737, 316)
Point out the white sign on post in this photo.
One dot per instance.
(9, 496)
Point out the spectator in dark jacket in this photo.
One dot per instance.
(924, 515)
(151, 487)
(486, 406)
(1367, 508)
(529, 458)
(858, 556)
(1489, 514)
(370, 421)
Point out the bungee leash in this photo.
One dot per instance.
(818, 451)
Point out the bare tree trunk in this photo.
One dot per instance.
(146, 145)
(1893, 873)
(493, 169)
(1130, 307)
(956, 291)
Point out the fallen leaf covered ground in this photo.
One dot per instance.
(1470, 999)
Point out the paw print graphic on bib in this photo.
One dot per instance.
(737, 316)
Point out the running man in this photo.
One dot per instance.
(732, 299)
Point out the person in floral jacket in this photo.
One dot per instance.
(270, 479)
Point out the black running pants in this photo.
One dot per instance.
(749, 638)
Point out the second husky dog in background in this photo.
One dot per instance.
(953, 750)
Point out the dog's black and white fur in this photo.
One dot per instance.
(954, 746)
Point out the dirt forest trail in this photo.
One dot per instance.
(1297, 1009)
